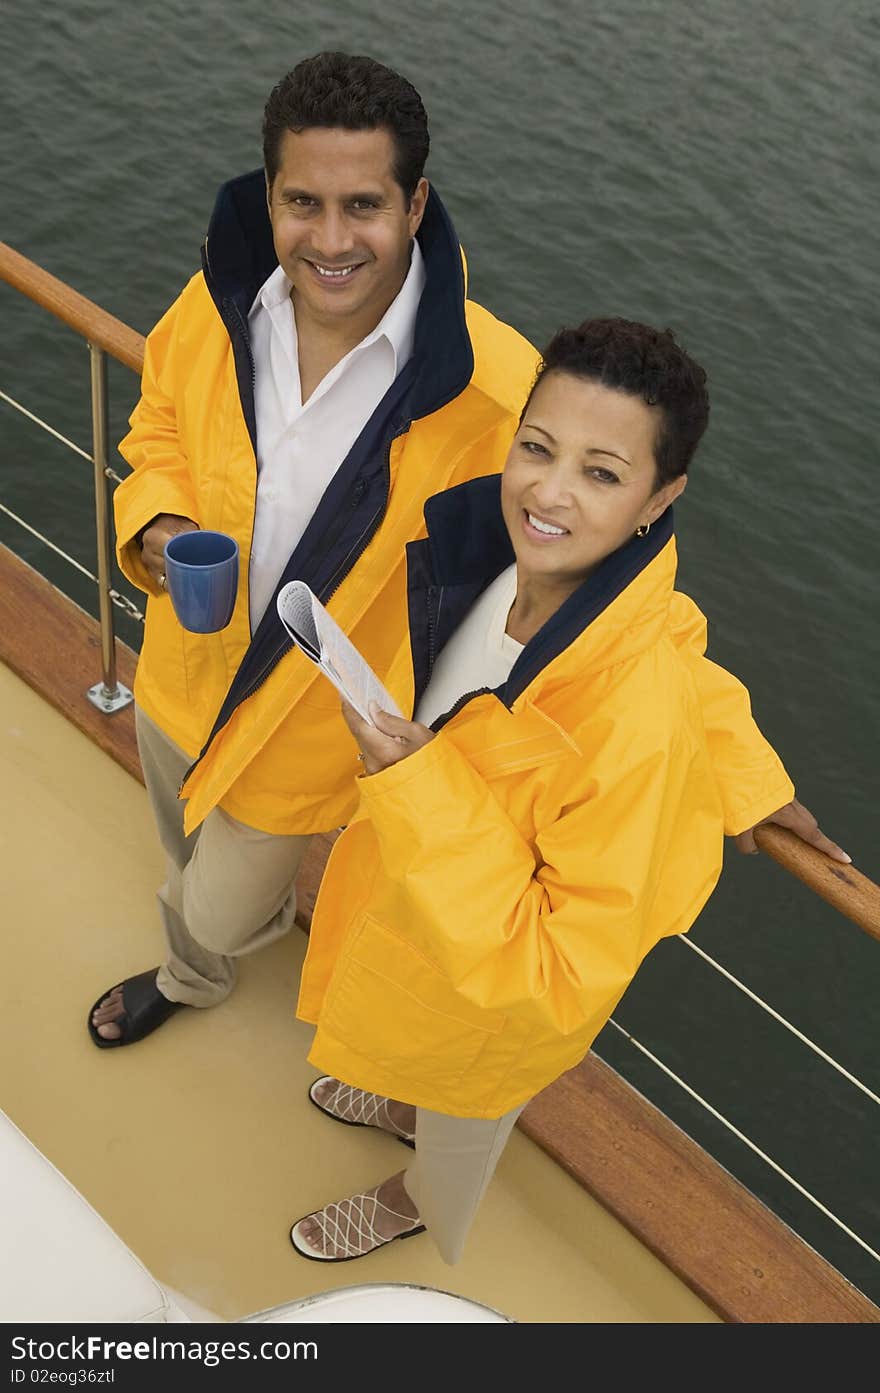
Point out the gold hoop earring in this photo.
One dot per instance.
(643, 530)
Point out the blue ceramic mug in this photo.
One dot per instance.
(201, 576)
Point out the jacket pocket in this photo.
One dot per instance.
(390, 1004)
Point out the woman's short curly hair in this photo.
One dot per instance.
(643, 362)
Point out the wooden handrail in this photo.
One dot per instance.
(87, 318)
(846, 889)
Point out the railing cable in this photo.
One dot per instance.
(38, 421)
(119, 600)
(817, 1049)
(746, 1141)
(110, 473)
(34, 533)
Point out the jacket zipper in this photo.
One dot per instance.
(440, 721)
(246, 339)
(462, 700)
(432, 639)
(247, 342)
(231, 306)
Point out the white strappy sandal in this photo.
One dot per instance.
(356, 1108)
(348, 1226)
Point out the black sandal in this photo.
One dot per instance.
(144, 1009)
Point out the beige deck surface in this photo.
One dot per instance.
(198, 1145)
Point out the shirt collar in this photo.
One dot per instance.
(397, 324)
(274, 291)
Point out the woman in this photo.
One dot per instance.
(551, 812)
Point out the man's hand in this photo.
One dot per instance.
(799, 820)
(388, 740)
(156, 535)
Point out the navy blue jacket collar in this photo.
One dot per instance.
(467, 547)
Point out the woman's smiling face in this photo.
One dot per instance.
(580, 478)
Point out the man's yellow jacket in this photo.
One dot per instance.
(261, 724)
(277, 754)
(491, 901)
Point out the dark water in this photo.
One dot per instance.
(709, 166)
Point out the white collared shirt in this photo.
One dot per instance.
(300, 445)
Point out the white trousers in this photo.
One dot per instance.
(454, 1161)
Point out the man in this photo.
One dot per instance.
(320, 378)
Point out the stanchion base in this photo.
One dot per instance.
(108, 701)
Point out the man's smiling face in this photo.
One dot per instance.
(341, 223)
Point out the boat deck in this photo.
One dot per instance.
(199, 1146)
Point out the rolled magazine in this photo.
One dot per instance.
(321, 639)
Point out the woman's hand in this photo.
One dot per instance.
(799, 820)
(388, 740)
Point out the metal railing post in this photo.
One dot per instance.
(108, 695)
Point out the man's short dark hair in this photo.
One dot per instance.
(342, 91)
(646, 363)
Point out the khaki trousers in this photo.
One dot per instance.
(229, 888)
(454, 1161)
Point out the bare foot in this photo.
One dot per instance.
(105, 1016)
(371, 1109)
(358, 1225)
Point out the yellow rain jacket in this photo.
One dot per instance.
(277, 753)
(488, 906)
(262, 724)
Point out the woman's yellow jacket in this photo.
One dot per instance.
(484, 912)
